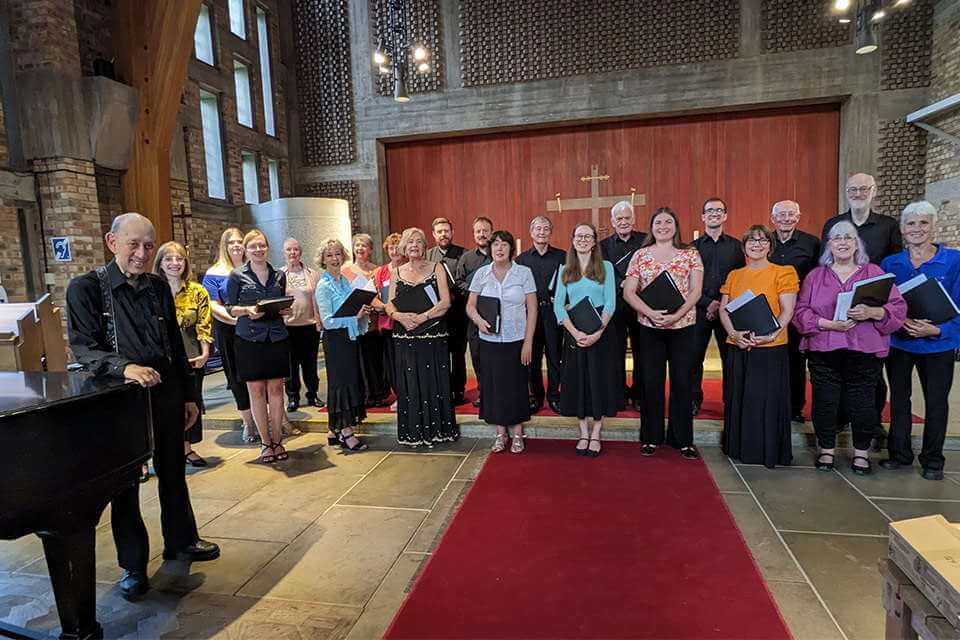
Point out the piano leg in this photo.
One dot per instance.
(71, 562)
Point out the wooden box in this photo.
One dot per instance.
(927, 550)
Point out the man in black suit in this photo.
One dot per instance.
(468, 263)
(618, 248)
(447, 253)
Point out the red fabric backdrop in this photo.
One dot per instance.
(751, 159)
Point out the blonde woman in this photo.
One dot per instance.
(382, 279)
(371, 342)
(196, 325)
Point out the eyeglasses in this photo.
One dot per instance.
(583, 236)
(758, 241)
(711, 210)
(863, 189)
(842, 238)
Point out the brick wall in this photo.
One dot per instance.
(11, 258)
(109, 199)
(43, 35)
(94, 19)
(4, 148)
(900, 166)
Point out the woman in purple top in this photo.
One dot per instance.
(845, 356)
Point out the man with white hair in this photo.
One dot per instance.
(122, 323)
(618, 248)
(801, 251)
(923, 345)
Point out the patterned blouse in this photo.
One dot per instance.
(193, 315)
(645, 267)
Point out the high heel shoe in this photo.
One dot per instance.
(359, 446)
(593, 453)
(582, 452)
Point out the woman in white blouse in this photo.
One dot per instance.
(505, 350)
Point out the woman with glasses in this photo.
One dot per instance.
(756, 376)
(588, 379)
(845, 356)
(666, 337)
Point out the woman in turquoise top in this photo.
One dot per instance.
(588, 388)
(341, 351)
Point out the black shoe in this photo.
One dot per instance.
(476, 403)
(890, 464)
(582, 452)
(554, 406)
(690, 453)
(133, 585)
(695, 409)
(932, 474)
(593, 453)
(194, 459)
(197, 552)
(648, 449)
(293, 405)
(535, 406)
(861, 471)
(457, 397)
(316, 402)
(824, 466)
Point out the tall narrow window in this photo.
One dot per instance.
(273, 174)
(237, 24)
(212, 147)
(250, 193)
(241, 79)
(265, 72)
(203, 36)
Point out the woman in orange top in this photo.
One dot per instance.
(756, 375)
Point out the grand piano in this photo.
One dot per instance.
(75, 442)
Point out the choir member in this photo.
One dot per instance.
(382, 279)
(346, 400)
(801, 251)
(922, 345)
(424, 407)
(544, 261)
(467, 265)
(720, 254)
(371, 341)
(617, 249)
(505, 351)
(262, 342)
(591, 388)
(449, 254)
(196, 328)
(665, 336)
(141, 343)
(303, 327)
(756, 381)
(845, 356)
(229, 257)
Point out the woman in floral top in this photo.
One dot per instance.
(666, 336)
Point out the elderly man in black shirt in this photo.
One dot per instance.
(720, 254)
(448, 253)
(544, 261)
(122, 323)
(618, 248)
(801, 251)
(468, 263)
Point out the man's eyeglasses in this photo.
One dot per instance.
(712, 210)
(863, 189)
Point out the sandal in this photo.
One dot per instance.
(690, 452)
(194, 459)
(517, 445)
(144, 473)
(333, 438)
(359, 446)
(861, 471)
(583, 451)
(250, 435)
(266, 458)
(593, 453)
(648, 449)
(824, 466)
(279, 451)
(499, 443)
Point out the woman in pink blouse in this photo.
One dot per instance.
(666, 336)
(845, 356)
(381, 280)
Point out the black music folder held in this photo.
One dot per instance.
(662, 294)
(751, 312)
(418, 299)
(873, 292)
(584, 316)
(273, 306)
(489, 309)
(354, 302)
(928, 300)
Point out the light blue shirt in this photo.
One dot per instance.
(600, 294)
(332, 293)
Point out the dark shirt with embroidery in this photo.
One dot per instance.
(143, 311)
(244, 288)
(544, 268)
(719, 257)
(880, 234)
(801, 251)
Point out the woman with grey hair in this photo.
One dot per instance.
(845, 356)
(927, 346)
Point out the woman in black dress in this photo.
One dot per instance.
(424, 406)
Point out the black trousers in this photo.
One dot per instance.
(935, 371)
(194, 434)
(225, 336)
(626, 326)
(304, 347)
(176, 514)
(850, 378)
(457, 343)
(704, 329)
(676, 348)
(473, 338)
(547, 340)
(798, 372)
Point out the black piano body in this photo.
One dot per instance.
(83, 440)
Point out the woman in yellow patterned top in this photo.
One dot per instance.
(196, 327)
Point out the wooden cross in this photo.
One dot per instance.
(595, 202)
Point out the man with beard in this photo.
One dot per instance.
(468, 263)
(447, 253)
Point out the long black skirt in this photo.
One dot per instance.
(262, 360)
(756, 406)
(374, 371)
(424, 406)
(503, 384)
(589, 386)
(389, 358)
(345, 391)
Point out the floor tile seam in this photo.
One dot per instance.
(424, 453)
(311, 602)
(453, 477)
(786, 467)
(834, 533)
(901, 499)
(789, 551)
(865, 497)
(347, 505)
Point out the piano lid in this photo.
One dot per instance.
(29, 391)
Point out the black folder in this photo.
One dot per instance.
(755, 316)
(354, 302)
(930, 301)
(584, 316)
(416, 300)
(662, 294)
(873, 292)
(489, 309)
(271, 307)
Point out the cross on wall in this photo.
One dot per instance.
(595, 202)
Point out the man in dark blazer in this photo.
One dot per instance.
(447, 253)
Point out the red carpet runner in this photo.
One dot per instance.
(551, 545)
